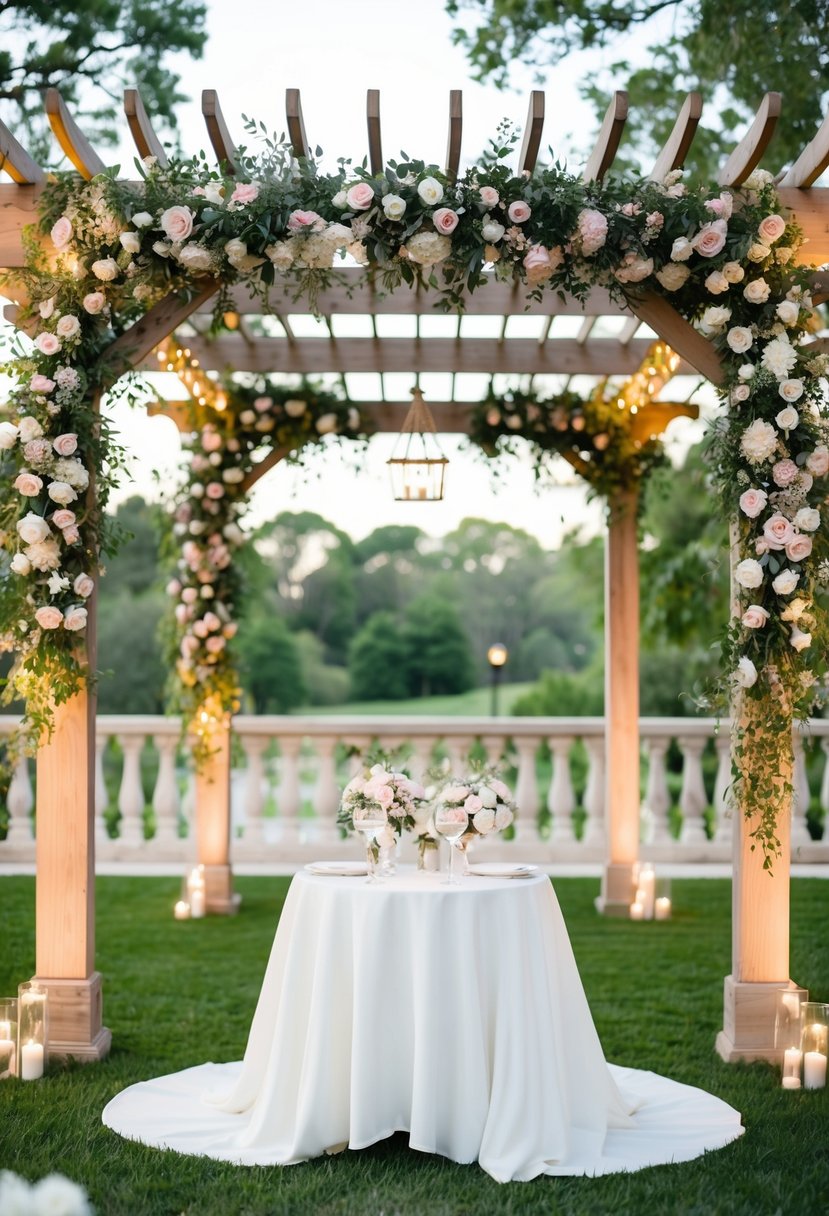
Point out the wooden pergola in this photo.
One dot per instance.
(358, 337)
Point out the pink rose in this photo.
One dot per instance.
(182, 614)
(189, 646)
(540, 263)
(752, 502)
(189, 595)
(28, 485)
(94, 302)
(68, 326)
(301, 221)
(47, 344)
(772, 228)
(215, 490)
(75, 618)
(519, 212)
(66, 445)
(778, 531)
(799, 548)
(41, 384)
(200, 629)
(244, 193)
(63, 518)
(360, 197)
(49, 617)
(784, 472)
(262, 404)
(214, 645)
(472, 804)
(592, 230)
(755, 617)
(71, 535)
(710, 240)
(211, 440)
(817, 462)
(489, 196)
(177, 223)
(61, 233)
(445, 220)
(83, 585)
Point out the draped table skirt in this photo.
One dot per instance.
(455, 1014)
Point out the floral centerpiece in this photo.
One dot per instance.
(392, 790)
(485, 799)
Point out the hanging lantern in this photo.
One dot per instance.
(417, 464)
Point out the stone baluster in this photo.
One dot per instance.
(102, 837)
(421, 759)
(131, 793)
(722, 786)
(561, 798)
(692, 799)
(165, 794)
(19, 803)
(526, 790)
(494, 748)
(657, 794)
(594, 828)
(289, 795)
(801, 795)
(254, 747)
(457, 748)
(327, 791)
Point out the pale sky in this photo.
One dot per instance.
(333, 51)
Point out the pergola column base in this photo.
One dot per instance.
(617, 889)
(219, 897)
(75, 1018)
(749, 1011)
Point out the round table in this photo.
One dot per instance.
(455, 1014)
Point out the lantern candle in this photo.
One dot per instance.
(815, 1044)
(646, 890)
(637, 909)
(31, 1061)
(792, 1058)
(32, 1030)
(662, 908)
(195, 892)
(8, 1032)
(182, 910)
(814, 1070)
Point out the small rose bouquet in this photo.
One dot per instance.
(485, 798)
(393, 791)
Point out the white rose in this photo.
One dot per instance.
(749, 573)
(757, 291)
(340, 200)
(758, 252)
(681, 249)
(785, 582)
(740, 339)
(430, 190)
(716, 283)
(131, 242)
(715, 319)
(29, 428)
(62, 493)
(733, 272)
(807, 519)
(326, 423)
(394, 206)
(295, 408)
(484, 820)
(788, 312)
(105, 269)
(20, 564)
(672, 276)
(195, 257)
(487, 796)
(32, 528)
(162, 249)
(791, 390)
(142, 219)
(746, 371)
(8, 435)
(788, 418)
(492, 231)
(503, 817)
(746, 673)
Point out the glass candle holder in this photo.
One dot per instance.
(8, 1037)
(787, 1036)
(814, 1043)
(662, 905)
(196, 896)
(644, 878)
(32, 1031)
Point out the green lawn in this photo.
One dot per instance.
(473, 704)
(178, 993)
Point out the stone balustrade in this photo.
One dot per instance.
(288, 772)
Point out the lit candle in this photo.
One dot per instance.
(182, 910)
(637, 910)
(195, 892)
(5, 1030)
(814, 1070)
(647, 891)
(662, 908)
(791, 1065)
(6, 1050)
(31, 1061)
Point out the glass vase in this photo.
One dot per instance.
(814, 1043)
(8, 1036)
(32, 1030)
(787, 1036)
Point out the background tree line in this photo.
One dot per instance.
(402, 615)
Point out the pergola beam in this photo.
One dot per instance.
(70, 137)
(144, 137)
(564, 356)
(16, 160)
(746, 156)
(607, 141)
(676, 146)
(222, 141)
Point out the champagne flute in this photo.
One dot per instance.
(451, 822)
(369, 821)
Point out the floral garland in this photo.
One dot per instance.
(122, 246)
(590, 433)
(221, 452)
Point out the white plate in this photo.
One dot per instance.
(498, 869)
(342, 869)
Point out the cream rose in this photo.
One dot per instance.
(756, 291)
(714, 319)
(105, 269)
(790, 390)
(788, 312)
(492, 231)
(32, 528)
(681, 249)
(94, 302)
(75, 618)
(394, 207)
(29, 428)
(326, 424)
(131, 242)
(785, 582)
(20, 564)
(47, 344)
(430, 191)
(8, 435)
(177, 223)
(788, 418)
(799, 639)
(740, 339)
(142, 219)
(807, 519)
(758, 252)
(749, 573)
(672, 276)
(195, 257)
(61, 492)
(49, 617)
(634, 268)
(733, 272)
(752, 502)
(755, 617)
(746, 371)
(716, 283)
(817, 462)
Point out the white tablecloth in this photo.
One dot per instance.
(453, 1013)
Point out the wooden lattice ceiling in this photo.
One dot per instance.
(268, 345)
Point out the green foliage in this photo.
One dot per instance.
(133, 673)
(561, 694)
(325, 684)
(733, 51)
(438, 656)
(73, 45)
(271, 671)
(378, 660)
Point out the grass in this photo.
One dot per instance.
(473, 704)
(178, 993)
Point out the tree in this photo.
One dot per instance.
(129, 653)
(439, 659)
(72, 44)
(270, 669)
(377, 660)
(135, 567)
(733, 51)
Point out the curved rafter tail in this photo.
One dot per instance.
(746, 156)
(532, 133)
(812, 160)
(223, 144)
(70, 137)
(15, 160)
(676, 146)
(375, 144)
(144, 137)
(453, 143)
(296, 123)
(607, 143)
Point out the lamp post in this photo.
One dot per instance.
(497, 656)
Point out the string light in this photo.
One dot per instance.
(181, 361)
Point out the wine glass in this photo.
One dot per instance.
(451, 822)
(369, 820)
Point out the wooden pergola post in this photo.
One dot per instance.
(213, 822)
(621, 704)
